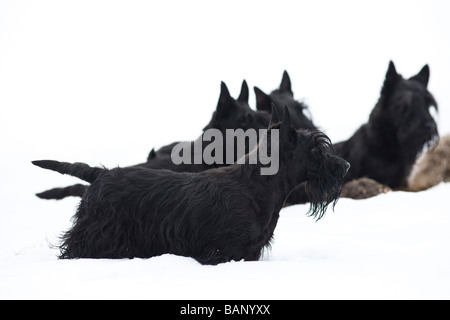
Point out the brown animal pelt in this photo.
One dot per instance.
(363, 188)
(432, 168)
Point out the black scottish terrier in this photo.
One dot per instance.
(229, 114)
(386, 147)
(399, 127)
(214, 216)
(281, 97)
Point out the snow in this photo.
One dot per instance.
(103, 82)
(371, 249)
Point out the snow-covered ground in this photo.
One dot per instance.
(394, 246)
(103, 82)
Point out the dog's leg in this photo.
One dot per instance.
(78, 169)
(76, 190)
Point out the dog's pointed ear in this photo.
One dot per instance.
(263, 101)
(286, 83)
(224, 93)
(243, 96)
(423, 76)
(287, 132)
(152, 154)
(274, 116)
(225, 100)
(391, 79)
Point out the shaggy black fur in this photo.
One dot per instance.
(229, 114)
(400, 125)
(214, 216)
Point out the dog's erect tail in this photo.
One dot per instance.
(77, 169)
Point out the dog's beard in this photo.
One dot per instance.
(431, 142)
(323, 191)
(325, 179)
(324, 176)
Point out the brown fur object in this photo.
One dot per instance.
(363, 188)
(432, 168)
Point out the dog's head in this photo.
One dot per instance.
(404, 111)
(236, 114)
(325, 173)
(281, 97)
(310, 159)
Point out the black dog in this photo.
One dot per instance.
(385, 148)
(400, 125)
(214, 216)
(229, 114)
(281, 97)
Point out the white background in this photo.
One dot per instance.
(103, 82)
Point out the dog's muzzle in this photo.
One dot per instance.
(342, 163)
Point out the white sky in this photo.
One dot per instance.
(112, 79)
